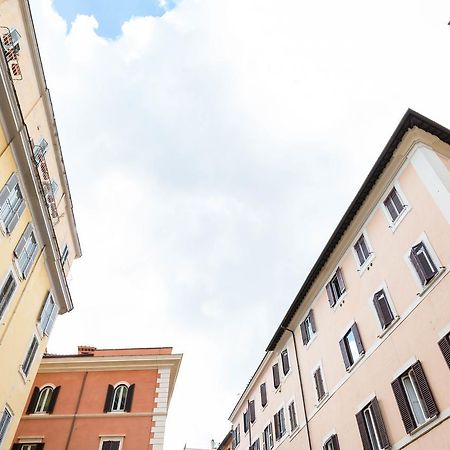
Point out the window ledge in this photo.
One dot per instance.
(313, 338)
(22, 374)
(323, 399)
(294, 433)
(340, 300)
(356, 363)
(424, 425)
(394, 224)
(433, 281)
(365, 267)
(388, 328)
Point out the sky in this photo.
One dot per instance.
(212, 147)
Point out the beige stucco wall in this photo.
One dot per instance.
(424, 315)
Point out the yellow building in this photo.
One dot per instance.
(38, 236)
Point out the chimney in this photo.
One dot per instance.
(86, 350)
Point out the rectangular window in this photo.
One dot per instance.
(371, 427)
(292, 416)
(30, 355)
(280, 424)
(285, 361)
(394, 205)
(361, 250)
(4, 423)
(276, 375)
(268, 437)
(308, 328)
(246, 421)
(236, 436)
(255, 445)
(25, 251)
(11, 203)
(40, 149)
(251, 409)
(110, 445)
(318, 381)
(351, 347)
(48, 315)
(64, 255)
(423, 263)
(6, 292)
(444, 345)
(336, 287)
(263, 392)
(37, 446)
(332, 443)
(383, 309)
(414, 398)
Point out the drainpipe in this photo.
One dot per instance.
(249, 425)
(72, 426)
(301, 384)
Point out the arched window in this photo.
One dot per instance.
(119, 398)
(43, 400)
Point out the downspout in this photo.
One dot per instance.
(301, 385)
(249, 425)
(72, 426)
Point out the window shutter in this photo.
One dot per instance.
(51, 405)
(12, 182)
(415, 262)
(402, 403)
(23, 240)
(383, 309)
(246, 423)
(444, 345)
(33, 401)
(313, 322)
(430, 404)
(270, 435)
(4, 193)
(285, 361)
(276, 421)
(331, 299)
(30, 262)
(340, 279)
(319, 384)
(357, 339)
(263, 391)
(40, 446)
(363, 431)
(424, 261)
(303, 332)
(115, 445)
(108, 400)
(379, 423)
(335, 442)
(276, 375)
(16, 446)
(344, 353)
(251, 407)
(129, 400)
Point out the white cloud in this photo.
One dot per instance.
(204, 150)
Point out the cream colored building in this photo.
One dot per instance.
(361, 360)
(38, 236)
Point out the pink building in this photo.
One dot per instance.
(361, 359)
(100, 400)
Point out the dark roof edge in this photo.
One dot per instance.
(409, 120)
(224, 441)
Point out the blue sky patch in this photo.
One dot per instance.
(111, 14)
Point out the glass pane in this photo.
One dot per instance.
(371, 429)
(352, 347)
(413, 399)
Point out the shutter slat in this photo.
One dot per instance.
(430, 405)
(51, 405)
(403, 406)
(129, 400)
(379, 424)
(344, 353)
(363, 431)
(444, 345)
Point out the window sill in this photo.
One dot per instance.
(432, 282)
(323, 399)
(365, 267)
(22, 374)
(294, 433)
(388, 328)
(313, 338)
(393, 225)
(340, 300)
(356, 363)
(424, 425)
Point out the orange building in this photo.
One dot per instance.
(100, 399)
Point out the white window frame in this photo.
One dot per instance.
(3, 282)
(412, 378)
(120, 383)
(360, 356)
(340, 299)
(46, 328)
(393, 224)
(368, 408)
(6, 410)
(33, 359)
(269, 426)
(361, 268)
(41, 389)
(30, 260)
(311, 336)
(5, 223)
(111, 438)
(383, 287)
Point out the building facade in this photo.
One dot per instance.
(361, 360)
(38, 236)
(100, 399)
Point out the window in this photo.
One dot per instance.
(444, 345)
(251, 409)
(371, 427)
(263, 392)
(5, 419)
(40, 149)
(48, 315)
(64, 255)
(292, 416)
(246, 420)
(383, 309)
(414, 398)
(25, 251)
(336, 287)
(394, 205)
(280, 425)
(43, 400)
(422, 262)
(119, 398)
(276, 375)
(10, 40)
(55, 187)
(318, 381)
(236, 435)
(111, 445)
(332, 443)
(6, 292)
(11, 203)
(268, 437)
(29, 446)
(308, 328)
(361, 250)
(351, 347)
(30, 355)
(285, 361)
(255, 445)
